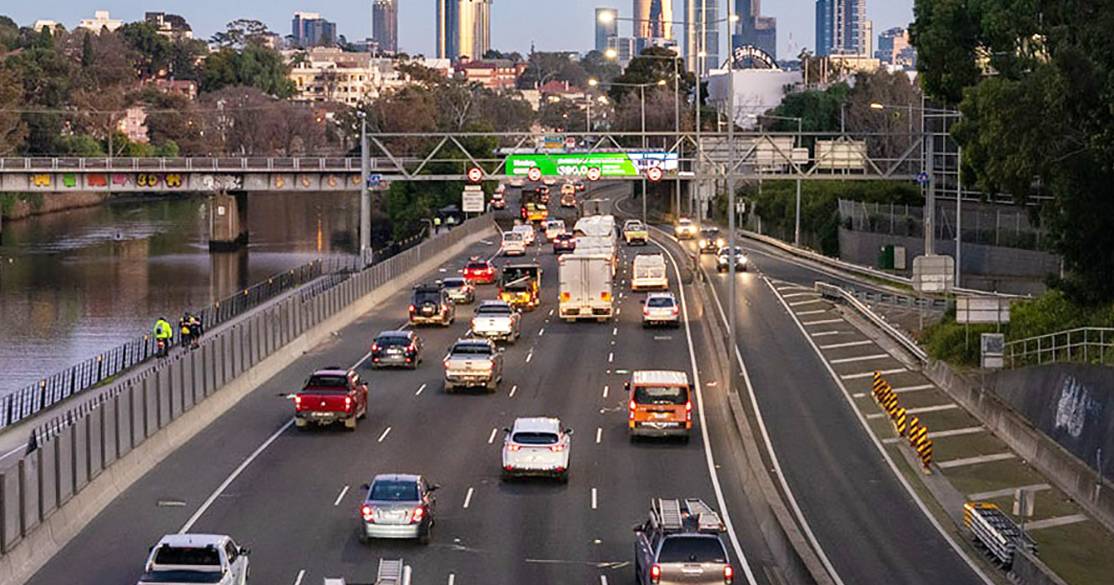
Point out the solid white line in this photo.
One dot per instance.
(494, 432)
(1056, 521)
(386, 432)
(1036, 487)
(610, 357)
(420, 390)
(860, 358)
(847, 344)
(513, 390)
(340, 496)
(599, 435)
(706, 440)
(301, 575)
(362, 360)
(913, 388)
(595, 502)
(936, 408)
(231, 478)
(976, 460)
(468, 498)
(605, 388)
(816, 312)
(800, 294)
(882, 449)
(870, 374)
(452, 579)
(541, 332)
(956, 432)
(824, 322)
(827, 333)
(808, 302)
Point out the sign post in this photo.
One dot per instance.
(472, 199)
(992, 348)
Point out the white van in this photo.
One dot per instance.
(649, 273)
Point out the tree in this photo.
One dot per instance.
(563, 116)
(1041, 123)
(13, 130)
(542, 68)
(154, 50)
(241, 33)
(255, 66)
(819, 110)
(9, 34)
(652, 66)
(597, 66)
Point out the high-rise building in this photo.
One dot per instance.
(894, 48)
(308, 29)
(626, 48)
(653, 19)
(607, 26)
(463, 28)
(754, 29)
(841, 27)
(384, 25)
(701, 14)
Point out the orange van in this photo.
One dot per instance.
(659, 404)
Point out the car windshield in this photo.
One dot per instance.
(394, 491)
(512, 237)
(453, 282)
(535, 438)
(688, 549)
(333, 381)
(493, 310)
(188, 556)
(726, 251)
(709, 232)
(661, 394)
(471, 349)
(658, 302)
(477, 266)
(392, 341)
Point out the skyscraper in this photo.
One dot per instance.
(700, 13)
(653, 19)
(607, 26)
(753, 28)
(384, 24)
(463, 28)
(308, 29)
(841, 27)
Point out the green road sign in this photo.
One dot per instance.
(610, 164)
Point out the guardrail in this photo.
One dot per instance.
(832, 291)
(181, 164)
(1088, 345)
(131, 411)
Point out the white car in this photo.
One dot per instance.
(497, 320)
(661, 309)
(537, 447)
(723, 260)
(527, 231)
(554, 228)
(513, 244)
(196, 558)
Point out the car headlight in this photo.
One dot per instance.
(721, 243)
(703, 243)
(743, 259)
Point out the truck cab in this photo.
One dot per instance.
(181, 559)
(520, 285)
(680, 544)
(329, 396)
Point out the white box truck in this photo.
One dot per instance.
(649, 273)
(585, 287)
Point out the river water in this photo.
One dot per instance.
(75, 283)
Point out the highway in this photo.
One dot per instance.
(292, 497)
(864, 521)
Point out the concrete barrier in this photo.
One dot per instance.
(79, 482)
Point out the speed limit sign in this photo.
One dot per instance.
(654, 174)
(475, 174)
(534, 174)
(594, 174)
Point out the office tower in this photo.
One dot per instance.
(607, 26)
(754, 29)
(384, 25)
(702, 14)
(310, 30)
(653, 19)
(841, 27)
(463, 28)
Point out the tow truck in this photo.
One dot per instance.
(519, 285)
(680, 543)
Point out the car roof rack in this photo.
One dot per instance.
(685, 515)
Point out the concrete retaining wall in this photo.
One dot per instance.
(56, 490)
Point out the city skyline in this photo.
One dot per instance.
(560, 26)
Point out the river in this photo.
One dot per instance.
(75, 283)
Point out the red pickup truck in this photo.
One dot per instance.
(331, 395)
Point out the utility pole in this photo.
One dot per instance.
(365, 195)
(642, 91)
(930, 197)
(677, 123)
(732, 300)
(958, 215)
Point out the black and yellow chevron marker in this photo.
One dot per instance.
(899, 422)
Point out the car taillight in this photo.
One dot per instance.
(676, 311)
(413, 308)
(513, 447)
(605, 295)
(557, 448)
(655, 574)
(368, 513)
(375, 347)
(631, 407)
(297, 403)
(565, 296)
(688, 410)
(728, 575)
(645, 312)
(347, 403)
(417, 516)
(413, 348)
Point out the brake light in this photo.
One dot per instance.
(297, 403)
(676, 311)
(368, 513)
(688, 410)
(645, 312)
(565, 296)
(631, 407)
(347, 403)
(413, 348)
(413, 308)
(655, 573)
(513, 447)
(557, 448)
(417, 516)
(728, 575)
(375, 347)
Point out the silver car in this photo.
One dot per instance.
(473, 363)
(398, 506)
(661, 309)
(537, 447)
(460, 291)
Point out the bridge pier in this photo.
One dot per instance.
(228, 221)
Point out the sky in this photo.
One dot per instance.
(549, 25)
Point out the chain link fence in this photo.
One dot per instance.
(991, 225)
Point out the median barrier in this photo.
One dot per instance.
(76, 470)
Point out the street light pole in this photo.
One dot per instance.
(677, 124)
(642, 91)
(797, 222)
(958, 214)
(365, 194)
(732, 299)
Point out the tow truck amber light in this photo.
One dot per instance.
(368, 513)
(728, 575)
(655, 574)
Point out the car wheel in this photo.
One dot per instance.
(300, 423)
(351, 423)
(362, 536)
(427, 536)
(448, 388)
(564, 477)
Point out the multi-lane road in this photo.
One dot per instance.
(293, 496)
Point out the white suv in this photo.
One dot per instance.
(537, 447)
(661, 309)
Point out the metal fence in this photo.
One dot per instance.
(74, 448)
(1088, 345)
(991, 225)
